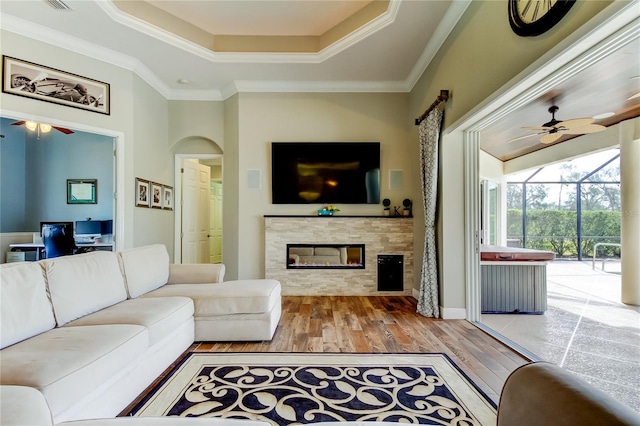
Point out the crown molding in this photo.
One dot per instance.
(151, 30)
(446, 25)
(318, 87)
(76, 45)
(46, 35)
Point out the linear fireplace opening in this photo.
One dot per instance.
(325, 256)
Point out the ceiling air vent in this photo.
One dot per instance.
(58, 4)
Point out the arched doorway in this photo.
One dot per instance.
(199, 200)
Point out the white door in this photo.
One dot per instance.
(195, 212)
(215, 230)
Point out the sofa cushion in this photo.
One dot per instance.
(21, 405)
(327, 251)
(229, 297)
(25, 309)
(160, 315)
(145, 268)
(196, 273)
(82, 284)
(301, 251)
(320, 260)
(64, 363)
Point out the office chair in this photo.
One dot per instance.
(58, 241)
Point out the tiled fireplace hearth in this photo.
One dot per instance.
(290, 239)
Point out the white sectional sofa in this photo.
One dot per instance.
(25, 406)
(92, 331)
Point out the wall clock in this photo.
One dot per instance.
(534, 17)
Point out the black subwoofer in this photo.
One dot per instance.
(390, 272)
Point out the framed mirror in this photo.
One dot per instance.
(82, 191)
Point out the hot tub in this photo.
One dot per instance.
(513, 280)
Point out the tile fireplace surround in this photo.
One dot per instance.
(380, 235)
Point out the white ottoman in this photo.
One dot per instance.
(241, 310)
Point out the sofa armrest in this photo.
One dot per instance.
(543, 394)
(21, 405)
(196, 273)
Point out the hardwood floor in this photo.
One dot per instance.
(382, 325)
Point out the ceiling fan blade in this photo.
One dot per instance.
(18, 123)
(539, 128)
(551, 137)
(589, 128)
(63, 130)
(522, 137)
(575, 123)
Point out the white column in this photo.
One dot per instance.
(630, 204)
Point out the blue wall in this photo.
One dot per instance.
(33, 179)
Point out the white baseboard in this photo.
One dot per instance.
(453, 313)
(446, 313)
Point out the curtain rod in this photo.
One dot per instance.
(442, 97)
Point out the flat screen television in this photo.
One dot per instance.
(325, 172)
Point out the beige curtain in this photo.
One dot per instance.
(429, 129)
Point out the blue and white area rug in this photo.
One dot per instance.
(299, 388)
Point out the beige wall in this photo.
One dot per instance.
(490, 167)
(196, 126)
(309, 117)
(231, 255)
(151, 162)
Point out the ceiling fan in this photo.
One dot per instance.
(555, 129)
(41, 127)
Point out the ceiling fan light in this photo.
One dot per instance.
(45, 128)
(31, 125)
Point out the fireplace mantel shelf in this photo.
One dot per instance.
(339, 216)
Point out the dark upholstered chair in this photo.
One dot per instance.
(58, 240)
(543, 394)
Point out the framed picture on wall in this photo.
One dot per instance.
(82, 191)
(42, 83)
(142, 193)
(156, 195)
(167, 197)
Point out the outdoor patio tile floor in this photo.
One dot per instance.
(586, 329)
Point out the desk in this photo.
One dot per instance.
(39, 248)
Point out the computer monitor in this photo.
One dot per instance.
(88, 230)
(107, 227)
(88, 227)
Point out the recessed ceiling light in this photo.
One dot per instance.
(603, 115)
(183, 81)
